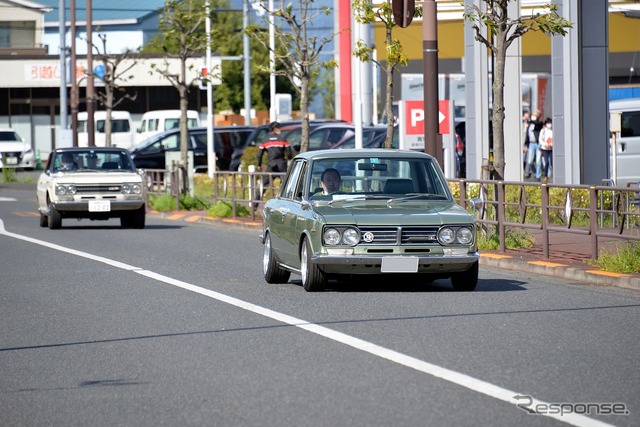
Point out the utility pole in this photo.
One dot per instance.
(432, 138)
(74, 78)
(63, 68)
(91, 102)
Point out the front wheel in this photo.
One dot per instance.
(54, 218)
(43, 220)
(467, 280)
(313, 279)
(272, 272)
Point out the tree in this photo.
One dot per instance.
(183, 36)
(503, 31)
(366, 14)
(112, 75)
(296, 52)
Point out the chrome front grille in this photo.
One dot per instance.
(108, 189)
(416, 235)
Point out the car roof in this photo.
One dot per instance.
(354, 152)
(83, 149)
(625, 104)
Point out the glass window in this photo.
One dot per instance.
(630, 122)
(290, 186)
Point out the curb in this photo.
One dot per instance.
(505, 261)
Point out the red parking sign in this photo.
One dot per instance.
(414, 117)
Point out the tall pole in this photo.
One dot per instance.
(63, 68)
(247, 63)
(272, 64)
(74, 78)
(432, 139)
(211, 153)
(91, 102)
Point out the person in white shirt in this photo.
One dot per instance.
(546, 151)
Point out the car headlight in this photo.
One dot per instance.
(131, 188)
(464, 235)
(331, 236)
(65, 190)
(349, 236)
(455, 235)
(446, 236)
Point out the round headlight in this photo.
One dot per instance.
(136, 189)
(331, 236)
(71, 189)
(61, 190)
(446, 236)
(464, 235)
(351, 236)
(126, 188)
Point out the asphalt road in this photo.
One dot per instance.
(174, 325)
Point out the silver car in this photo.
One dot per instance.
(97, 183)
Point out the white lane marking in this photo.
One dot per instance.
(454, 377)
(8, 199)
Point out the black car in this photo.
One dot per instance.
(150, 154)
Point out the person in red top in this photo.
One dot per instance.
(278, 151)
(278, 154)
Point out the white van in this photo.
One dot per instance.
(122, 134)
(155, 122)
(628, 143)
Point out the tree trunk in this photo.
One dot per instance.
(499, 55)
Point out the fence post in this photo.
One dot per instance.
(463, 193)
(593, 225)
(501, 215)
(544, 194)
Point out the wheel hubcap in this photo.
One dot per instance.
(265, 255)
(303, 263)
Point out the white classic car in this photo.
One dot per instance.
(97, 183)
(14, 151)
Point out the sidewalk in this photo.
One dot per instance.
(568, 253)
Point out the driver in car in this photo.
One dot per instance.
(330, 181)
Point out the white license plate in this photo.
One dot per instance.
(399, 265)
(99, 206)
(11, 160)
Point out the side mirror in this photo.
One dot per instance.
(477, 204)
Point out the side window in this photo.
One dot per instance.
(100, 126)
(630, 123)
(290, 186)
(171, 142)
(153, 125)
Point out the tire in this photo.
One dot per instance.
(54, 219)
(313, 280)
(138, 218)
(272, 272)
(467, 280)
(44, 221)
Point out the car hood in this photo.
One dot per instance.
(13, 146)
(79, 177)
(406, 213)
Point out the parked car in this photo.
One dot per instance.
(628, 144)
(157, 121)
(97, 183)
(15, 152)
(122, 133)
(325, 136)
(369, 133)
(150, 154)
(392, 213)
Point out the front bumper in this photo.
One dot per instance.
(368, 264)
(83, 206)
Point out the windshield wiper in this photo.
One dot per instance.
(414, 196)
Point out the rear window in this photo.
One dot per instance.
(9, 136)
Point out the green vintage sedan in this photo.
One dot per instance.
(341, 213)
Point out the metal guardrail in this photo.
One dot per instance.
(596, 211)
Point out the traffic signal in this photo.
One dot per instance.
(403, 11)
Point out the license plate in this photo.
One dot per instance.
(99, 205)
(399, 265)
(11, 160)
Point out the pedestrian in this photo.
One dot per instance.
(278, 154)
(526, 118)
(546, 150)
(533, 134)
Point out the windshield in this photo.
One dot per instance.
(377, 177)
(92, 160)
